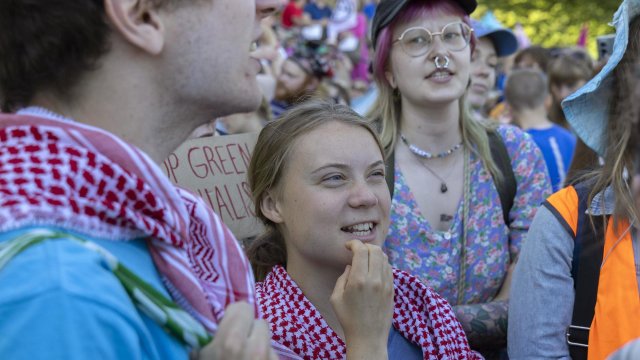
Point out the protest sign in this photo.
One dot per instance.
(215, 168)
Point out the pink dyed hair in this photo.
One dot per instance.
(413, 11)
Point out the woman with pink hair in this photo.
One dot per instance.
(464, 192)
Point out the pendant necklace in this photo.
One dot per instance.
(443, 184)
(422, 154)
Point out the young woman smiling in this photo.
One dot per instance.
(327, 289)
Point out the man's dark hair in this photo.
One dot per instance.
(47, 45)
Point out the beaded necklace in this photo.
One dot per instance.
(427, 155)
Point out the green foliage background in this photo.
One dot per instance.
(554, 23)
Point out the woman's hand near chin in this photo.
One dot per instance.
(363, 302)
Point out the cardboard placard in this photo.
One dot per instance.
(216, 168)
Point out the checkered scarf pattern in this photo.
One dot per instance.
(56, 172)
(419, 314)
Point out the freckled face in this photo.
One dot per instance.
(333, 190)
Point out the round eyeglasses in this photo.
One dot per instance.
(416, 41)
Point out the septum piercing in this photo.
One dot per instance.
(438, 62)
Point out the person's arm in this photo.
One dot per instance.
(533, 185)
(542, 294)
(486, 324)
(58, 300)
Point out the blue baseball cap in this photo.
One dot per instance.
(587, 110)
(504, 40)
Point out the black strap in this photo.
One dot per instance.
(506, 189)
(390, 164)
(391, 172)
(585, 270)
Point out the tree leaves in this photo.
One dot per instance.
(553, 23)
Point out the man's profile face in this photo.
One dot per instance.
(207, 56)
(293, 82)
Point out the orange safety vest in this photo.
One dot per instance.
(616, 315)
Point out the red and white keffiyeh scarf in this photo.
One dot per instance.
(419, 314)
(56, 172)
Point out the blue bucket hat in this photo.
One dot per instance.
(503, 39)
(587, 110)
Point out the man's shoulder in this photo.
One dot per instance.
(59, 267)
(62, 291)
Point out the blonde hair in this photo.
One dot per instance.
(269, 162)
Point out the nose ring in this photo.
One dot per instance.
(441, 62)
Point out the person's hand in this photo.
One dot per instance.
(363, 301)
(240, 337)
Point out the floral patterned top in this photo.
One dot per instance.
(434, 256)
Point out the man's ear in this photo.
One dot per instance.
(139, 22)
(270, 208)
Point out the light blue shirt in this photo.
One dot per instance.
(58, 300)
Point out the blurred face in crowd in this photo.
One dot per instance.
(293, 82)
(483, 72)
(335, 192)
(415, 74)
(561, 91)
(527, 62)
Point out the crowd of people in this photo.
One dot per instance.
(430, 186)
